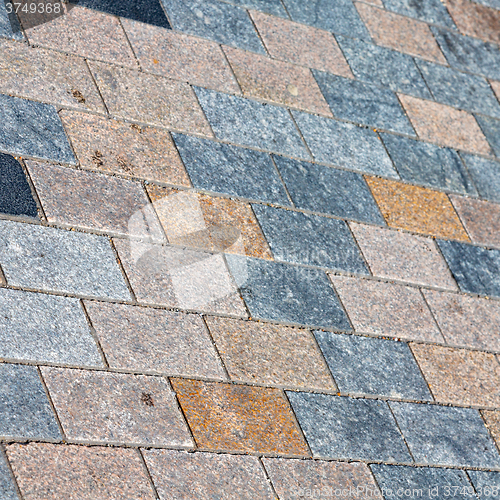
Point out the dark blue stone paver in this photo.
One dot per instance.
(363, 365)
(462, 90)
(476, 269)
(274, 7)
(251, 123)
(384, 67)
(287, 293)
(339, 16)
(29, 128)
(363, 103)
(310, 239)
(145, 11)
(16, 197)
(469, 54)
(328, 190)
(429, 11)
(427, 164)
(7, 487)
(485, 174)
(486, 483)
(345, 145)
(445, 435)
(25, 411)
(491, 129)
(423, 482)
(222, 168)
(218, 21)
(340, 427)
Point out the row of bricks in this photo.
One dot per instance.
(142, 410)
(50, 472)
(54, 330)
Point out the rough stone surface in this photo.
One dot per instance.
(287, 293)
(386, 310)
(310, 239)
(484, 482)
(7, 486)
(492, 419)
(363, 365)
(491, 129)
(429, 11)
(340, 427)
(269, 354)
(274, 7)
(52, 259)
(445, 435)
(239, 418)
(154, 341)
(486, 176)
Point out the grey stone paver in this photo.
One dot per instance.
(251, 123)
(443, 435)
(328, 190)
(231, 170)
(287, 293)
(344, 145)
(30, 128)
(9, 26)
(25, 411)
(476, 269)
(274, 7)
(486, 175)
(310, 239)
(424, 482)
(363, 103)
(39, 327)
(340, 427)
(214, 20)
(427, 164)
(429, 11)
(339, 16)
(51, 259)
(491, 129)
(485, 483)
(7, 486)
(462, 90)
(363, 365)
(384, 67)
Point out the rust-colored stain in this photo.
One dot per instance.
(239, 418)
(417, 209)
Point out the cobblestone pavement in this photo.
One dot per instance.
(250, 249)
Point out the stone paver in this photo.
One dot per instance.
(400, 33)
(178, 475)
(251, 123)
(328, 190)
(173, 277)
(16, 197)
(429, 11)
(276, 81)
(363, 365)
(286, 293)
(476, 269)
(485, 483)
(214, 224)
(149, 99)
(466, 321)
(120, 408)
(76, 198)
(52, 259)
(50, 472)
(39, 327)
(223, 168)
(239, 418)
(344, 145)
(491, 129)
(486, 176)
(25, 411)
(180, 57)
(274, 7)
(269, 354)
(300, 44)
(386, 310)
(124, 148)
(492, 419)
(34, 129)
(458, 376)
(402, 256)
(310, 239)
(445, 125)
(9, 25)
(445, 435)
(417, 209)
(154, 341)
(7, 485)
(340, 427)
(427, 164)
